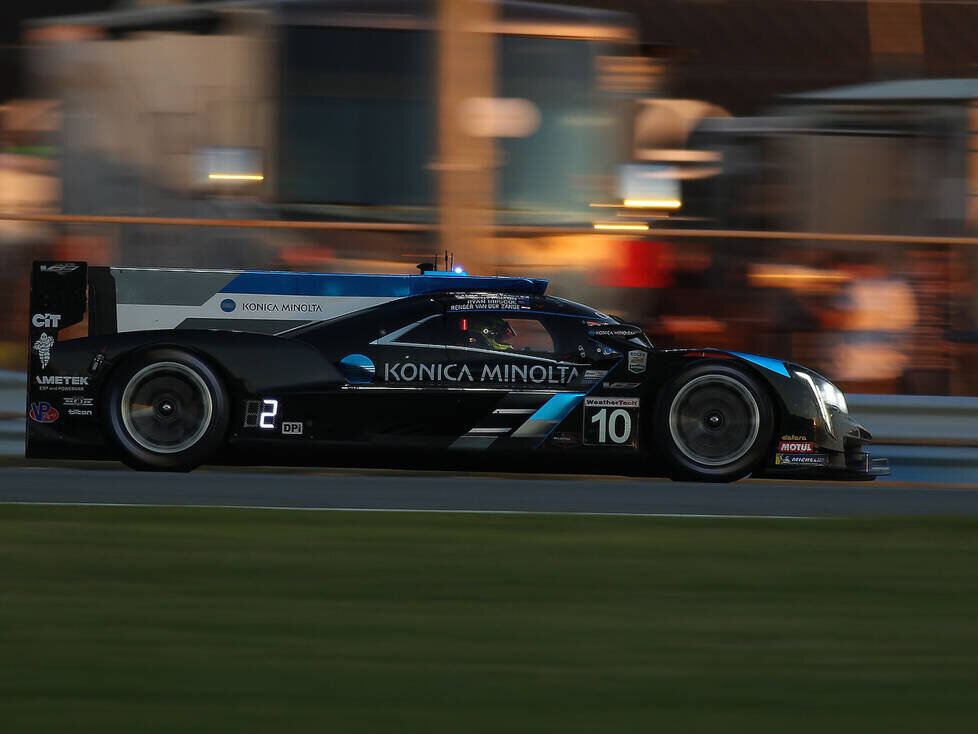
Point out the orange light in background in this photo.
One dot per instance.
(795, 277)
(654, 203)
(833, 277)
(621, 227)
(236, 177)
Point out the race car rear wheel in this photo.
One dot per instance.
(167, 411)
(714, 423)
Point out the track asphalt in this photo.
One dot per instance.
(438, 491)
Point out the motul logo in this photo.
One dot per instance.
(796, 447)
(50, 320)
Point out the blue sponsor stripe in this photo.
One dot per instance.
(310, 284)
(558, 407)
(389, 286)
(768, 363)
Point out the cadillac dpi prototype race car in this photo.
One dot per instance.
(183, 367)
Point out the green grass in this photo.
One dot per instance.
(152, 620)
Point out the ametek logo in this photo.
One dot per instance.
(62, 380)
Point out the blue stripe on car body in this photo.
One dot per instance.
(391, 286)
(558, 407)
(768, 363)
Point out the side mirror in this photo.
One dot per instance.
(615, 331)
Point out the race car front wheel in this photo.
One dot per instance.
(714, 423)
(167, 410)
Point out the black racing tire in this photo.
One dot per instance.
(713, 422)
(166, 410)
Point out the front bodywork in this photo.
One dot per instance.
(388, 370)
(812, 439)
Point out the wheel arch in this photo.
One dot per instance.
(661, 449)
(127, 356)
(686, 361)
(133, 450)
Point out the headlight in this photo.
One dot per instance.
(833, 396)
(826, 395)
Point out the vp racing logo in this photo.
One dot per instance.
(43, 347)
(43, 412)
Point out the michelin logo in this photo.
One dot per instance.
(43, 347)
(801, 459)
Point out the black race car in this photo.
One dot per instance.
(183, 367)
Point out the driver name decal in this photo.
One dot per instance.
(556, 374)
(490, 302)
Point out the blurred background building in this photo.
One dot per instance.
(529, 138)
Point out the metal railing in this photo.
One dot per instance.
(13, 396)
(918, 419)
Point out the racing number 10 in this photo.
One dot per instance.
(617, 426)
(610, 420)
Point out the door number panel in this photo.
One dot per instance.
(610, 421)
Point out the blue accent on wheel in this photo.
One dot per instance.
(358, 369)
(768, 363)
(558, 407)
(387, 286)
(228, 305)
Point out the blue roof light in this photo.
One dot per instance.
(397, 286)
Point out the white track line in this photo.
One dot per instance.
(410, 510)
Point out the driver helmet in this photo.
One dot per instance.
(496, 332)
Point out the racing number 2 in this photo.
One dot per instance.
(610, 420)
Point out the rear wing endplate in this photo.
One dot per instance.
(58, 300)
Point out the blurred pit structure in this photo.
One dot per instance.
(504, 132)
